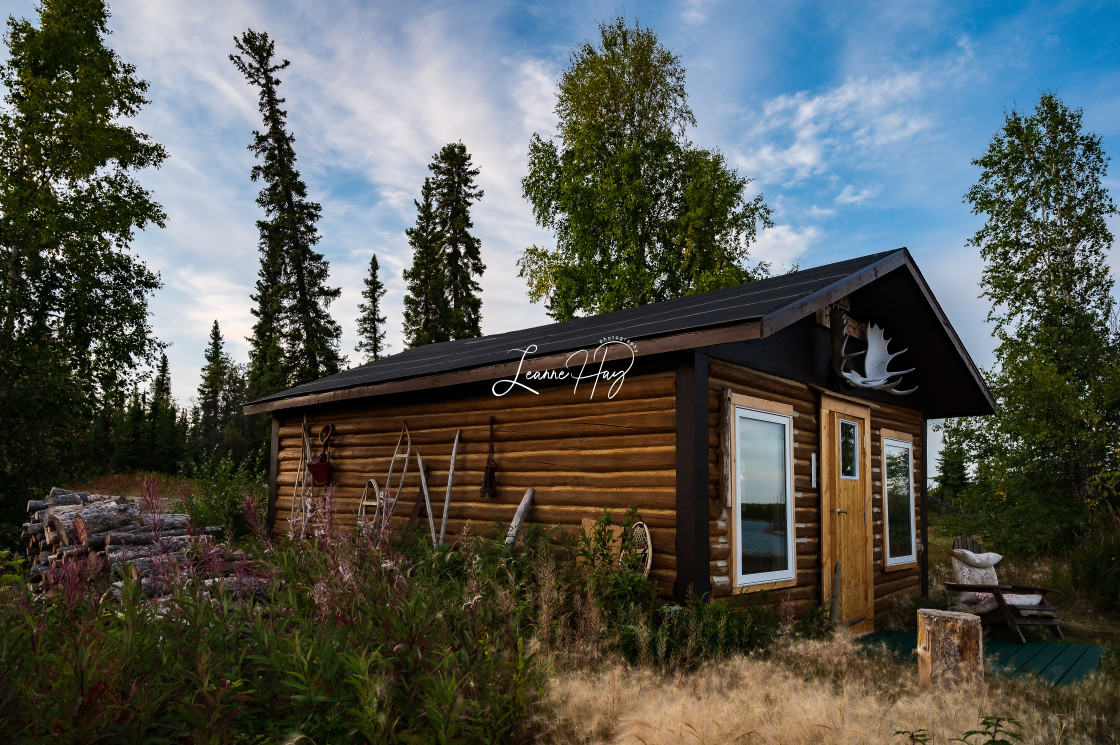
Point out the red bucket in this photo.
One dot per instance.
(320, 472)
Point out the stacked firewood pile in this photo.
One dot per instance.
(111, 537)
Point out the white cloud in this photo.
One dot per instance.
(849, 196)
(783, 245)
(805, 135)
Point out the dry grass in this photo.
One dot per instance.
(126, 484)
(813, 692)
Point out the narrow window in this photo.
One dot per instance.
(763, 496)
(849, 449)
(898, 501)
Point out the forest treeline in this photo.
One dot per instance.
(638, 213)
(90, 385)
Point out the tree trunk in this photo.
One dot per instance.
(950, 647)
(97, 518)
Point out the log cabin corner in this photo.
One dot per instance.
(788, 402)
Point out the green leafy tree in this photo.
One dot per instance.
(1050, 455)
(640, 215)
(371, 324)
(453, 180)
(73, 299)
(427, 311)
(292, 296)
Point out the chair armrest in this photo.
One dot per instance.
(1030, 589)
(959, 587)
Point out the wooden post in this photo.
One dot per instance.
(950, 647)
(519, 517)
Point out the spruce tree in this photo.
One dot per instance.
(292, 296)
(426, 309)
(455, 190)
(207, 432)
(371, 324)
(164, 442)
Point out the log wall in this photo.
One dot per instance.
(807, 505)
(579, 455)
(888, 585)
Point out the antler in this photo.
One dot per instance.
(877, 357)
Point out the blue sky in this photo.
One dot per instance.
(858, 121)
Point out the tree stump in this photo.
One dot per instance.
(950, 647)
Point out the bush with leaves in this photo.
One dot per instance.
(221, 488)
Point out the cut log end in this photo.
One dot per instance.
(950, 647)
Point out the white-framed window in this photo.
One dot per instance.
(762, 485)
(898, 502)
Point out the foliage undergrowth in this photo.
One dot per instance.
(364, 635)
(220, 491)
(360, 640)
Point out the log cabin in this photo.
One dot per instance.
(766, 433)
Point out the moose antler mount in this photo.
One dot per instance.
(876, 357)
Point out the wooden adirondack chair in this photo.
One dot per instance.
(1000, 608)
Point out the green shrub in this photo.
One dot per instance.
(1094, 562)
(220, 489)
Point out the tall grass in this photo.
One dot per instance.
(819, 692)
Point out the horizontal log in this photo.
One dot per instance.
(169, 543)
(476, 420)
(628, 459)
(362, 447)
(143, 566)
(44, 515)
(635, 386)
(97, 517)
(586, 497)
(638, 418)
(147, 538)
(912, 580)
(64, 498)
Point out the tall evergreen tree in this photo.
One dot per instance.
(211, 416)
(164, 435)
(371, 324)
(453, 180)
(73, 299)
(427, 311)
(292, 296)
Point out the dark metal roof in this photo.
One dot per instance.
(775, 303)
(753, 300)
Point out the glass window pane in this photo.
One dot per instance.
(899, 488)
(849, 450)
(763, 497)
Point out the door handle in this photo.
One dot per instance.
(841, 512)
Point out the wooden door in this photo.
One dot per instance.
(846, 502)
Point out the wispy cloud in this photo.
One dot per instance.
(805, 135)
(850, 197)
